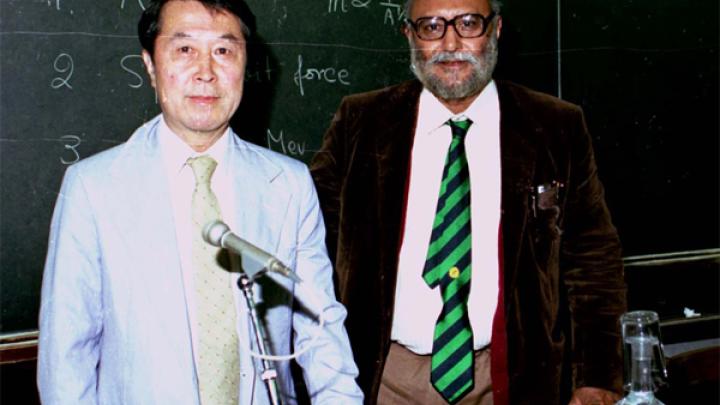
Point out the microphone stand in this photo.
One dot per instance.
(269, 374)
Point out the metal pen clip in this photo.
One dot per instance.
(544, 196)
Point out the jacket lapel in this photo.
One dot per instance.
(394, 141)
(260, 208)
(518, 156)
(144, 208)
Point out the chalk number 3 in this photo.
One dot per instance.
(71, 142)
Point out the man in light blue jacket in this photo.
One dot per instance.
(127, 316)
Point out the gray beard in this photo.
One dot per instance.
(483, 67)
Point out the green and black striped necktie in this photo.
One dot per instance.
(448, 266)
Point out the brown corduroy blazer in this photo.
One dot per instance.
(563, 279)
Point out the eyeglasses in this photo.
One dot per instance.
(466, 26)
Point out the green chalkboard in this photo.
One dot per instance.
(646, 73)
(73, 84)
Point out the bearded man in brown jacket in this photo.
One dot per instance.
(531, 288)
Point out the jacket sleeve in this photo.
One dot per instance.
(71, 307)
(329, 368)
(592, 270)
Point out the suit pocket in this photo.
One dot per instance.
(545, 232)
(545, 235)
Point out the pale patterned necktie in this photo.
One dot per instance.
(217, 352)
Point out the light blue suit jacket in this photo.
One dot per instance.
(114, 327)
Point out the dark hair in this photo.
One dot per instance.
(149, 23)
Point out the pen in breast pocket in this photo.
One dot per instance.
(545, 196)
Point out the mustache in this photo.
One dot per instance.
(453, 57)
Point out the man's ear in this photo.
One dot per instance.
(407, 31)
(498, 26)
(149, 66)
(409, 34)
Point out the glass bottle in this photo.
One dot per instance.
(644, 358)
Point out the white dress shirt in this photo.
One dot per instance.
(181, 180)
(417, 307)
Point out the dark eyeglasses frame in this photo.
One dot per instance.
(485, 19)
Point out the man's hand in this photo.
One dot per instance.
(593, 396)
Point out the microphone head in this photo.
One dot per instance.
(214, 231)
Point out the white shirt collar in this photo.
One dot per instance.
(433, 114)
(176, 152)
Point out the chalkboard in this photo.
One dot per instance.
(646, 73)
(72, 84)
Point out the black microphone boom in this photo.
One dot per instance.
(217, 233)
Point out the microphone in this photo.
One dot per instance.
(217, 233)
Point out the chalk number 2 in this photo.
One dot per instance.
(63, 64)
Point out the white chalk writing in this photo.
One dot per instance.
(335, 6)
(138, 78)
(393, 12)
(63, 64)
(329, 75)
(122, 4)
(71, 142)
(259, 72)
(292, 148)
